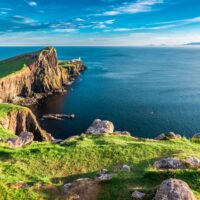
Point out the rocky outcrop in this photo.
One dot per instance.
(24, 138)
(174, 189)
(41, 74)
(20, 120)
(99, 127)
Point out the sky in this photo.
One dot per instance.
(99, 22)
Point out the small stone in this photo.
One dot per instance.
(123, 168)
(57, 141)
(169, 163)
(103, 171)
(105, 177)
(138, 195)
(67, 187)
(192, 162)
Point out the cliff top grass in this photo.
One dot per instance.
(47, 167)
(6, 108)
(17, 63)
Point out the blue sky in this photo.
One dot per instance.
(99, 22)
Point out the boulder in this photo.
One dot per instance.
(168, 136)
(138, 195)
(99, 127)
(192, 162)
(24, 138)
(174, 189)
(169, 163)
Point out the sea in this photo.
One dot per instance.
(143, 90)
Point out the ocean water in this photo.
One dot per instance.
(144, 90)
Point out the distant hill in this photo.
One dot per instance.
(193, 43)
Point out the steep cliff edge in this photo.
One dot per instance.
(17, 119)
(39, 73)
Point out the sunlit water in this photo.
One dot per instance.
(146, 91)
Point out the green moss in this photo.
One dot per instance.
(83, 156)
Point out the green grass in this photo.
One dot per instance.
(67, 64)
(83, 156)
(11, 66)
(6, 108)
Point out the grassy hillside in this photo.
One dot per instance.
(47, 167)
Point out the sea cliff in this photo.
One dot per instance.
(40, 74)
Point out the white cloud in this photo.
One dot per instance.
(132, 8)
(22, 20)
(31, 3)
(79, 20)
(110, 21)
(66, 30)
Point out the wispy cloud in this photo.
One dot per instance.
(79, 20)
(132, 8)
(66, 30)
(31, 3)
(160, 25)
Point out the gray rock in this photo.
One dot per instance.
(126, 133)
(103, 171)
(192, 162)
(24, 138)
(99, 127)
(105, 177)
(138, 195)
(123, 168)
(174, 189)
(66, 187)
(57, 141)
(168, 136)
(169, 163)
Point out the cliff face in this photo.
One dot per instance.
(19, 120)
(42, 75)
